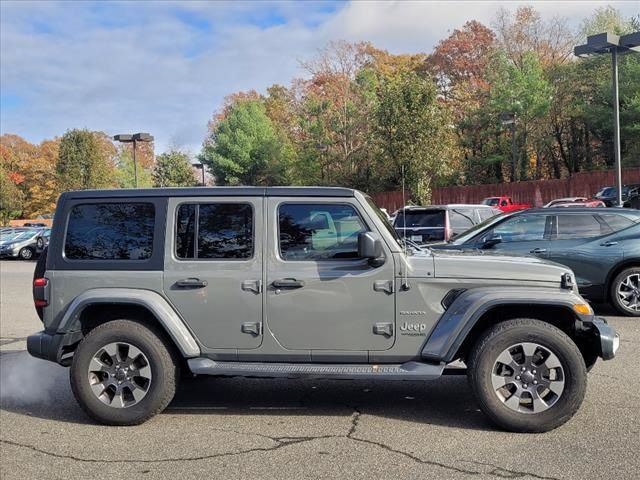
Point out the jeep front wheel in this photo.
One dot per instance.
(123, 373)
(527, 375)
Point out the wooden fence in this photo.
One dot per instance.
(537, 193)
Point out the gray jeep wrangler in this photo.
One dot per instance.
(138, 286)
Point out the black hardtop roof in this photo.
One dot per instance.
(214, 192)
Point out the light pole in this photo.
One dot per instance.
(509, 118)
(613, 44)
(134, 138)
(200, 166)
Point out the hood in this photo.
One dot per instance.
(489, 266)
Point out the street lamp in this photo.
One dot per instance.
(509, 119)
(614, 44)
(200, 166)
(134, 138)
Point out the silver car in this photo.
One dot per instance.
(18, 243)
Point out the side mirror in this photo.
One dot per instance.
(491, 242)
(369, 246)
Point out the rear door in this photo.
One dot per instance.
(213, 268)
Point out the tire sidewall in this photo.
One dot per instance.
(574, 372)
(614, 292)
(161, 373)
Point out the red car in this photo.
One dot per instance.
(506, 204)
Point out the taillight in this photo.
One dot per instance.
(40, 292)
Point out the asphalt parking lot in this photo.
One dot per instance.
(294, 429)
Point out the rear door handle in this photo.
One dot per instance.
(288, 283)
(608, 244)
(538, 250)
(191, 283)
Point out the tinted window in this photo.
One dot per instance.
(487, 213)
(319, 232)
(110, 231)
(420, 219)
(214, 231)
(522, 228)
(579, 226)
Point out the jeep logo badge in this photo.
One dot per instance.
(413, 327)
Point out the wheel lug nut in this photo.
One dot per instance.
(534, 372)
(525, 385)
(517, 377)
(535, 382)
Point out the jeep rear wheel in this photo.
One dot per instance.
(527, 375)
(123, 373)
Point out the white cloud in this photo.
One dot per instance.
(147, 69)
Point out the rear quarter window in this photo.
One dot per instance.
(110, 231)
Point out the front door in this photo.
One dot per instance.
(213, 268)
(523, 235)
(320, 295)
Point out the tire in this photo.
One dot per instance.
(26, 253)
(40, 243)
(156, 385)
(503, 405)
(627, 282)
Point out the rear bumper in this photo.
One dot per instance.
(51, 347)
(608, 337)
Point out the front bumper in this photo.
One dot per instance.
(608, 338)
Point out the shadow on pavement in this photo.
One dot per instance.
(37, 388)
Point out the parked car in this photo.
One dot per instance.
(601, 246)
(35, 224)
(609, 195)
(505, 204)
(565, 200)
(436, 223)
(21, 244)
(138, 284)
(584, 204)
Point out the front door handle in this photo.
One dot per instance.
(191, 283)
(538, 250)
(288, 283)
(608, 244)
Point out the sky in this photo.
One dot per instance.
(165, 67)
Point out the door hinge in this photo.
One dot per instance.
(383, 286)
(254, 286)
(254, 328)
(383, 328)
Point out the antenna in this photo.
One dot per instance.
(405, 273)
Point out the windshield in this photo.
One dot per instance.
(383, 218)
(420, 219)
(492, 202)
(468, 234)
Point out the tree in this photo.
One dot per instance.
(84, 161)
(10, 197)
(243, 148)
(523, 90)
(173, 169)
(126, 171)
(414, 132)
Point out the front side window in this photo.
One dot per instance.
(319, 231)
(110, 231)
(523, 228)
(214, 231)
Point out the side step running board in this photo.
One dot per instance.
(404, 371)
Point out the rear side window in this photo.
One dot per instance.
(616, 222)
(214, 231)
(110, 231)
(461, 219)
(319, 231)
(420, 219)
(580, 226)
